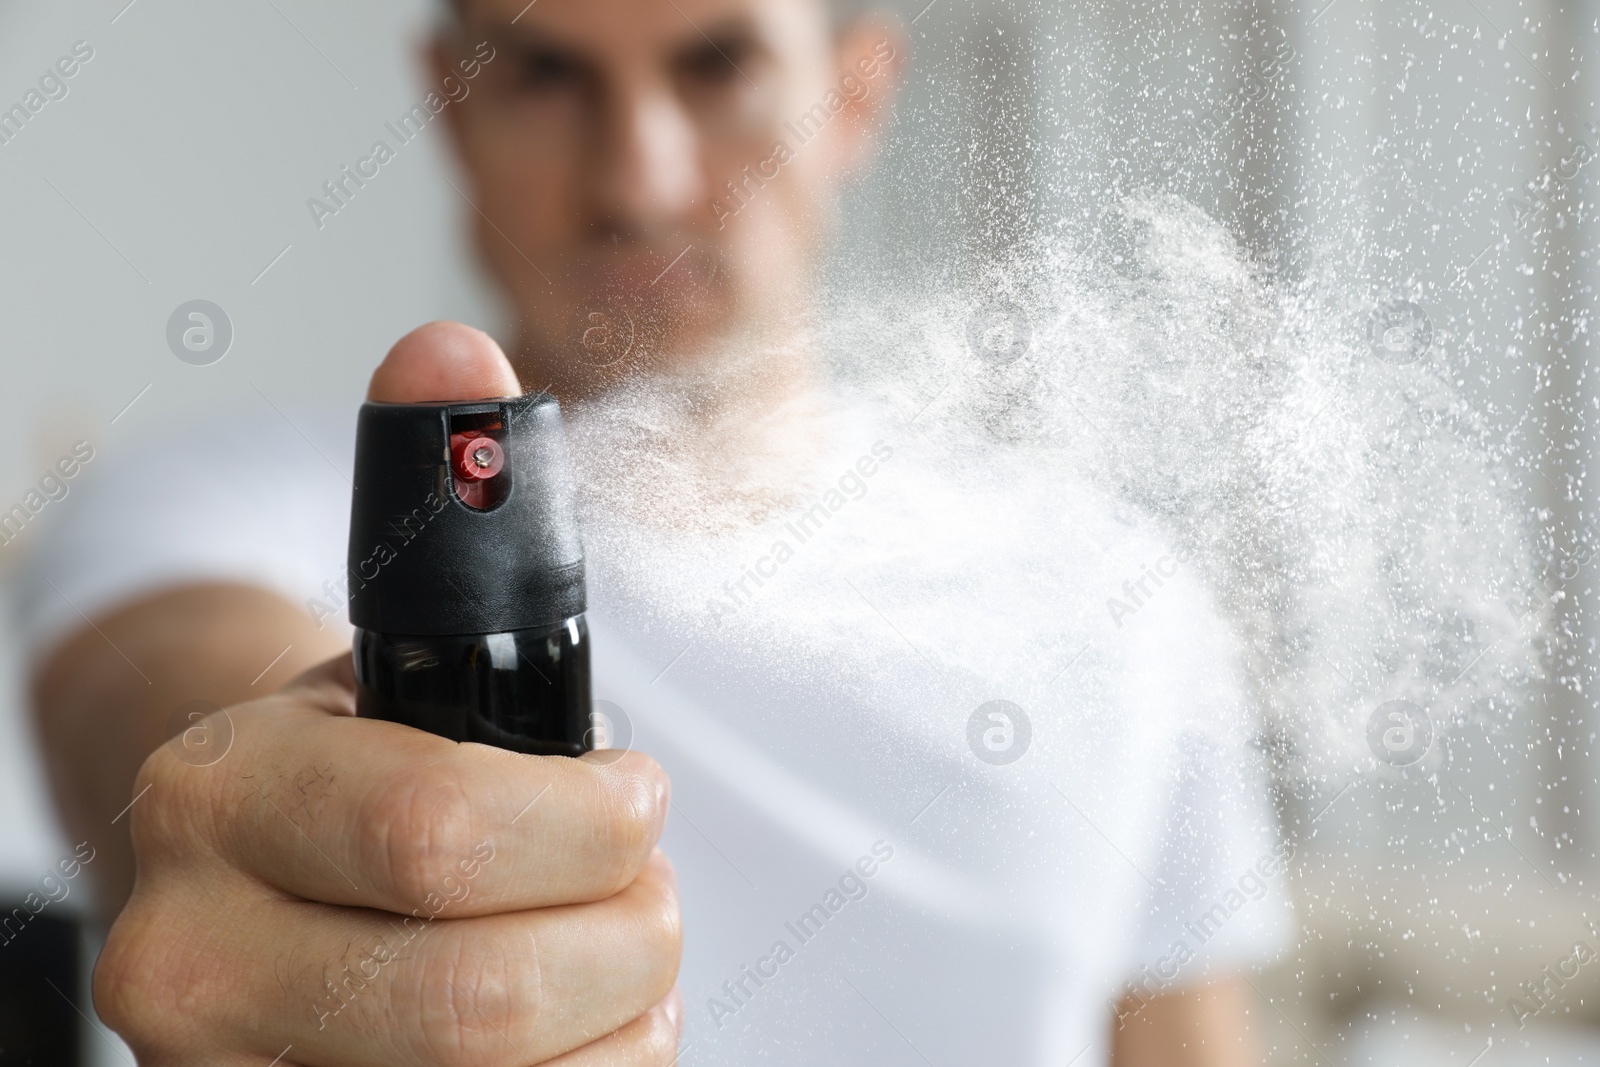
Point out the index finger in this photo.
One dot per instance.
(374, 814)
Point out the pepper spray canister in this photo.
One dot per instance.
(466, 574)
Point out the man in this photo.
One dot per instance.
(651, 185)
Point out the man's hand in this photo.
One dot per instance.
(347, 891)
(328, 890)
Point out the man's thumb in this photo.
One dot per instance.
(443, 361)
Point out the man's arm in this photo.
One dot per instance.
(1203, 1027)
(106, 697)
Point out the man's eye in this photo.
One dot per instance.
(543, 72)
(716, 63)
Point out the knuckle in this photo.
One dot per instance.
(163, 806)
(662, 1037)
(652, 1038)
(478, 1001)
(137, 991)
(119, 997)
(660, 924)
(422, 828)
(632, 818)
(669, 943)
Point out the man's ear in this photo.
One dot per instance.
(871, 51)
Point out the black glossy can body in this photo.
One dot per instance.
(525, 690)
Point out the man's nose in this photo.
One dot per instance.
(649, 160)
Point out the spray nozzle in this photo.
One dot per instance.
(476, 459)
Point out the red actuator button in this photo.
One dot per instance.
(476, 458)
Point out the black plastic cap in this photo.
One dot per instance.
(425, 561)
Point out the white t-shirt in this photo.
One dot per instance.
(865, 878)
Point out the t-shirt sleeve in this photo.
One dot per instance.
(261, 502)
(1221, 901)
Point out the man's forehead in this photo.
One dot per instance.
(663, 20)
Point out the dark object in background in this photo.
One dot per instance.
(39, 1027)
(466, 574)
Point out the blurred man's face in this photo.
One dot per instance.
(599, 141)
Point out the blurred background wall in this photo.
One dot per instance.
(1424, 151)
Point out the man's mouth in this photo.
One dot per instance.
(663, 276)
